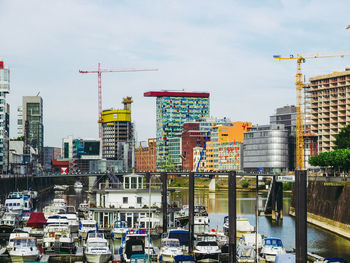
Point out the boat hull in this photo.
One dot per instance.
(22, 258)
(270, 257)
(166, 258)
(97, 258)
(202, 257)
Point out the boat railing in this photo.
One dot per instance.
(120, 186)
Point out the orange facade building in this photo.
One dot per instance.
(145, 157)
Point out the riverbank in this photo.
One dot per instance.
(333, 226)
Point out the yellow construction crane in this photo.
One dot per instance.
(299, 87)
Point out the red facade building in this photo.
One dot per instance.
(191, 137)
(145, 157)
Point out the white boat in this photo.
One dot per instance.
(86, 226)
(207, 251)
(51, 210)
(120, 228)
(271, 248)
(242, 226)
(73, 221)
(8, 222)
(25, 250)
(60, 187)
(78, 185)
(249, 240)
(58, 238)
(180, 234)
(136, 242)
(245, 254)
(59, 202)
(97, 250)
(170, 248)
(15, 233)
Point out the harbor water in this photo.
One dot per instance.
(320, 241)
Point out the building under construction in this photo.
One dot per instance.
(328, 98)
(118, 135)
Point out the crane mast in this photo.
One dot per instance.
(99, 72)
(299, 94)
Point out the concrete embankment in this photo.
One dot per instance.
(328, 206)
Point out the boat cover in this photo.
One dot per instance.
(36, 220)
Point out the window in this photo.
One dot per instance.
(127, 182)
(133, 182)
(139, 200)
(125, 200)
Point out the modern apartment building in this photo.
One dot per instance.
(31, 124)
(118, 140)
(4, 117)
(173, 110)
(145, 156)
(266, 149)
(223, 153)
(80, 152)
(328, 101)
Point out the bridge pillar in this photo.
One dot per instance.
(164, 178)
(191, 209)
(232, 214)
(212, 185)
(300, 217)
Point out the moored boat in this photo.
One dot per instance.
(272, 247)
(97, 250)
(25, 250)
(170, 248)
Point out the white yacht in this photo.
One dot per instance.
(136, 242)
(78, 185)
(58, 237)
(86, 226)
(271, 248)
(170, 248)
(51, 210)
(207, 251)
(120, 228)
(25, 250)
(97, 250)
(8, 222)
(73, 221)
(15, 233)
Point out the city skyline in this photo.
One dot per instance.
(225, 49)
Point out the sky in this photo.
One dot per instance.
(224, 47)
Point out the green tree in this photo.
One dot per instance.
(342, 139)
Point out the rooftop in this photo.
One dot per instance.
(164, 93)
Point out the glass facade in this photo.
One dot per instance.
(266, 149)
(172, 113)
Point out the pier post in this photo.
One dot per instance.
(191, 209)
(164, 177)
(232, 214)
(300, 217)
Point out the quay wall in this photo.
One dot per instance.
(328, 206)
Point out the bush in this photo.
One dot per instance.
(245, 184)
(287, 186)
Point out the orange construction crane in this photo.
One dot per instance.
(99, 72)
(299, 87)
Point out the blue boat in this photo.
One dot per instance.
(184, 258)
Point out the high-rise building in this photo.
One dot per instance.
(118, 140)
(4, 116)
(328, 98)
(32, 124)
(173, 110)
(145, 156)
